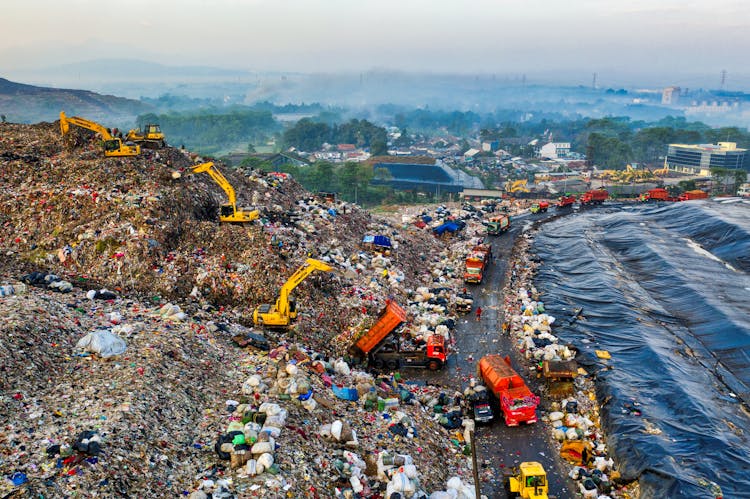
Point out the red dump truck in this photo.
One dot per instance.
(690, 195)
(517, 401)
(385, 350)
(476, 262)
(566, 201)
(597, 196)
(657, 194)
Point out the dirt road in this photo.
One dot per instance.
(499, 446)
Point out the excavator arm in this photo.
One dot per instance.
(229, 212)
(282, 303)
(517, 186)
(65, 123)
(281, 313)
(113, 146)
(220, 179)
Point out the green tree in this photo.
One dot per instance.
(686, 185)
(607, 151)
(651, 143)
(378, 148)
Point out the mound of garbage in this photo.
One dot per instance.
(125, 305)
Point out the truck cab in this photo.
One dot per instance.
(481, 408)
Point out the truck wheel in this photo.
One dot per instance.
(378, 364)
(392, 365)
(433, 365)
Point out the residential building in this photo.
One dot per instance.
(698, 159)
(492, 146)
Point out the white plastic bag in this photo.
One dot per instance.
(102, 342)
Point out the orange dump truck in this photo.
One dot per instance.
(384, 350)
(477, 261)
(517, 401)
(690, 195)
(597, 196)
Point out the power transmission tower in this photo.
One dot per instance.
(723, 78)
(593, 82)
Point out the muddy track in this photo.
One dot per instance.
(498, 446)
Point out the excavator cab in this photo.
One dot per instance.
(292, 307)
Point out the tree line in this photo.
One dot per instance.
(211, 131)
(351, 181)
(310, 135)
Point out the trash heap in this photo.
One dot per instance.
(120, 373)
(306, 426)
(574, 420)
(105, 396)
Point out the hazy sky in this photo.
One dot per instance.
(493, 36)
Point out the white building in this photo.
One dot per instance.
(554, 150)
(670, 96)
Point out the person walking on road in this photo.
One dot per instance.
(479, 313)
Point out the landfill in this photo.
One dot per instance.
(132, 367)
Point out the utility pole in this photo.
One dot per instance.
(477, 492)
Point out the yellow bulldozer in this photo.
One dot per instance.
(528, 481)
(284, 310)
(151, 136)
(227, 212)
(113, 146)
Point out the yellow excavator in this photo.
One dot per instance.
(285, 310)
(151, 136)
(113, 146)
(517, 186)
(227, 212)
(662, 172)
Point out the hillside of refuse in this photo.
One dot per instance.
(124, 299)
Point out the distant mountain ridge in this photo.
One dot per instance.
(22, 103)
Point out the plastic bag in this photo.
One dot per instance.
(102, 342)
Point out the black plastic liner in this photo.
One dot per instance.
(666, 291)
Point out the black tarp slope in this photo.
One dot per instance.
(666, 291)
